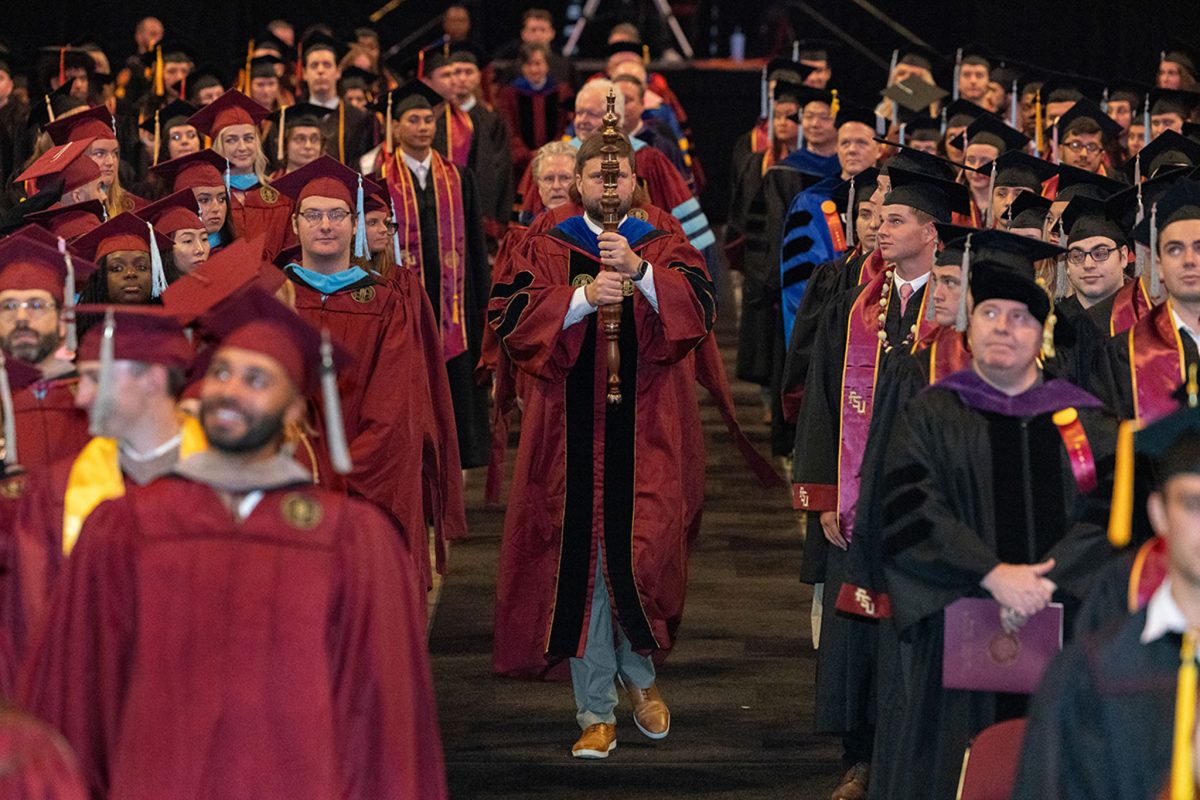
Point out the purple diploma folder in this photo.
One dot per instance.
(980, 656)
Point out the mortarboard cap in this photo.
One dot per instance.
(815, 49)
(414, 94)
(853, 112)
(203, 168)
(319, 40)
(1168, 150)
(918, 161)
(1179, 202)
(1086, 108)
(1073, 181)
(264, 66)
(146, 334)
(357, 77)
(1173, 101)
(68, 162)
(173, 213)
(962, 113)
(70, 222)
(194, 295)
(1085, 217)
(49, 107)
(231, 108)
(1179, 52)
(787, 91)
(864, 186)
(1018, 168)
(28, 263)
(123, 232)
(300, 114)
(1028, 210)
(1002, 268)
(323, 177)
(915, 55)
(990, 130)
(936, 197)
(95, 123)
(914, 94)
(787, 70)
(171, 115)
(202, 77)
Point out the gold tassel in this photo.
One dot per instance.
(1192, 389)
(157, 136)
(646, 54)
(1120, 518)
(835, 105)
(159, 89)
(342, 132)
(1183, 779)
(1037, 121)
(279, 134)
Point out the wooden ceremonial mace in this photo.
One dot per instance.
(610, 208)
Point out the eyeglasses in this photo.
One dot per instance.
(554, 180)
(1100, 253)
(313, 216)
(1078, 147)
(36, 308)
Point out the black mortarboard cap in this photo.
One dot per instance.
(1168, 150)
(917, 55)
(1180, 202)
(914, 93)
(1123, 205)
(414, 94)
(1173, 101)
(786, 65)
(264, 66)
(303, 114)
(853, 112)
(1086, 108)
(864, 187)
(1085, 217)
(359, 77)
(1073, 181)
(913, 160)
(1028, 210)
(60, 102)
(936, 197)
(989, 129)
(962, 113)
(1180, 52)
(1002, 268)
(319, 40)
(1018, 168)
(173, 113)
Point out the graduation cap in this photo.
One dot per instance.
(1028, 210)
(1085, 217)
(918, 161)
(191, 171)
(173, 115)
(27, 263)
(51, 106)
(1018, 168)
(328, 177)
(147, 334)
(1073, 181)
(265, 40)
(1086, 108)
(173, 213)
(231, 108)
(298, 115)
(812, 49)
(936, 197)
(69, 222)
(962, 113)
(1124, 205)
(127, 232)
(636, 48)
(194, 295)
(990, 130)
(914, 93)
(916, 55)
(1173, 101)
(202, 77)
(467, 53)
(853, 112)
(847, 195)
(1179, 202)
(264, 66)
(95, 123)
(359, 78)
(1002, 268)
(319, 40)
(975, 53)
(1168, 150)
(414, 94)
(60, 58)
(254, 320)
(787, 91)
(1179, 52)
(921, 127)
(1124, 90)
(788, 70)
(68, 162)
(949, 233)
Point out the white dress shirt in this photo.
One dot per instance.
(580, 307)
(1163, 615)
(1179, 323)
(419, 168)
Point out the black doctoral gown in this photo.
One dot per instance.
(490, 160)
(469, 397)
(847, 655)
(349, 132)
(1101, 724)
(974, 478)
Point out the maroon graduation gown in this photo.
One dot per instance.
(623, 478)
(49, 426)
(38, 764)
(262, 211)
(282, 657)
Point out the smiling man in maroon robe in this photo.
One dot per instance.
(235, 630)
(595, 536)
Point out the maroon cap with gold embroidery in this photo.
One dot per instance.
(175, 212)
(26, 263)
(204, 168)
(69, 161)
(70, 222)
(149, 334)
(95, 123)
(231, 108)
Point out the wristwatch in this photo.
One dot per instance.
(641, 273)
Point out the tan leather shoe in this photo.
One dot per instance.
(597, 741)
(650, 712)
(854, 784)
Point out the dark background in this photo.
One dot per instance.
(1092, 37)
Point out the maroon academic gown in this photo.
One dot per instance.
(622, 480)
(282, 657)
(262, 211)
(392, 408)
(38, 764)
(49, 426)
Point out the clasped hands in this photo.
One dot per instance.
(1022, 590)
(620, 264)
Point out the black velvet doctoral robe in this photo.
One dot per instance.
(470, 398)
(490, 161)
(974, 479)
(1101, 723)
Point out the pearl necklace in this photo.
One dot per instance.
(885, 295)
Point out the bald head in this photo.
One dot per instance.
(590, 104)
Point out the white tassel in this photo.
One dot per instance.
(851, 217)
(987, 212)
(1139, 249)
(335, 430)
(103, 403)
(930, 314)
(158, 276)
(10, 420)
(1154, 282)
(395, 230)
(957, 70)
(960, 320)
(72, 342)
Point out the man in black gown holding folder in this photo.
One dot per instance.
(988, 477)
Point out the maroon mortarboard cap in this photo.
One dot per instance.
(172, 213)
(123, 232)
(288, 255)
(29, 263)
(203, 168)
(233, 268)
(95, 123)
(324, 177)
(375, 196)
(149, 334)
(70, 222)
(255, 320)
(69, 161)
(231, 108)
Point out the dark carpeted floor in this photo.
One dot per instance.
(739, 684)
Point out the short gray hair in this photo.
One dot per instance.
(550, 150)
(603, 86)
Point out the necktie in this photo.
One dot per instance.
(906, 291)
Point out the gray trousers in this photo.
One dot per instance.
(593, 677)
